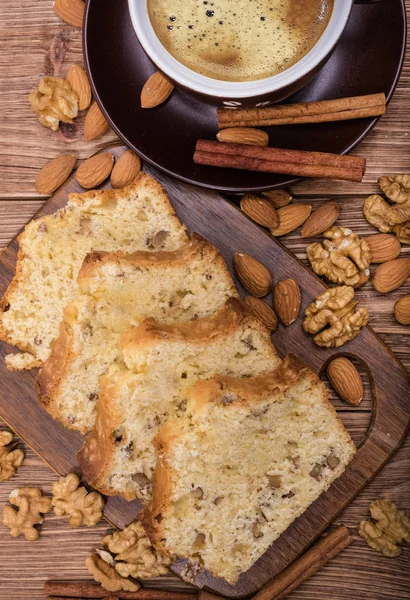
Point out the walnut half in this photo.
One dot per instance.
(10, 457)
(53, 101)
(390, 527)
(31, 505)
(69, 498)
(126, 554)
(332, 317)
(342, 257)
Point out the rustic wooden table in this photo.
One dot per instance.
(27, 32)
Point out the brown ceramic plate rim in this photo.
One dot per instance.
(230, 189)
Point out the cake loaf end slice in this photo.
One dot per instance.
(246, 459)
(52, 249)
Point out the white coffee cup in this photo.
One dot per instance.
(247, 94)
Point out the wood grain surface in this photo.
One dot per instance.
(27, 30)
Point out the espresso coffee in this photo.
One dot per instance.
(239, 40)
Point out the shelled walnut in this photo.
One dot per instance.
(342, 257)
(54, 100)
(31, 504)
(384, 216)
(332, 317)
(82, 507)
(125, 554)
(403, 232)
(135, 556)
(391, 527)
(396, 188)
(10, 457)
(104, 573)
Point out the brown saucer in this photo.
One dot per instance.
(367, 60)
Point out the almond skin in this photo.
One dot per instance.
(290, 218)
(345, 380)
(243, 135)
(95, 170)
(155, 91)
(70, 11)
(278, 198)
(286, 301)
(260, 210)
(55, 173)
(383, 247)
(125, 170)
(77, 78)
(321, 219)
(253, 275)
(402, 310)
(95, 124)
(263, 312)
(391, 275)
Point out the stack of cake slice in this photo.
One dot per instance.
(115, 290)
(143, 341)
(161, 362)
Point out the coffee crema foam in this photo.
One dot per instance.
(239, 40)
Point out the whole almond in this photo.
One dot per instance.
(155, 91)
(286, 300)
(253, 275)
(263, 312)
(391, 275)
(93, 171)
(95, 124)
(260, 210)
(125, 170)
(290, 218)
(383, 247)
(77, 78)
(321, 219)
(345, 380)
(243, 135)
(70, 11)
(278, 198)
(402, 310)
(54, 173)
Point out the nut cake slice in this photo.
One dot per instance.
(246, 458)
(162, 362)
(52, 250)
(117, 289)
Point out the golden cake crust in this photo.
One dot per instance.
(220, 323)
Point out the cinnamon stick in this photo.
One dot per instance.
(323, 111)
(305, 566)
(279, 160)
(84, 589)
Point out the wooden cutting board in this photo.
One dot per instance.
(209, 214)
